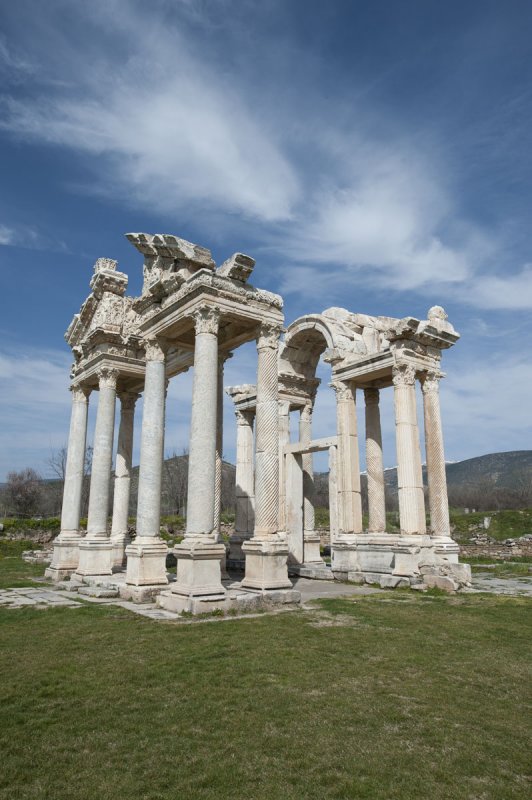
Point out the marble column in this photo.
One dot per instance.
(311, 540)
(409, 474)
(333, 494)
(222, 358)
(349, 497)
(374, 463)
(244, 488)
(284, 440)
(200, 554)
(146, 556)
(267, 552)
(436, 477)
(65, 555)
(95, 549)
(119, 527)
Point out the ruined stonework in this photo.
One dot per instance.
(191, 313)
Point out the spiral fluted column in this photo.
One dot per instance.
(409, 474)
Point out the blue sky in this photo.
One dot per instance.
(373, 155)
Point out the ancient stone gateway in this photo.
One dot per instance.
(191, 313)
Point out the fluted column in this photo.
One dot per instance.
(284, 440)
(66, 546)
(223, 357)
(436, 477)
(409, 474)
(311, 540)
(95, 548)
(266, 553)
(200, 554)
(124, 454)
(202, 449)
(146, 556)
(244, 485)
(374, 463)
(348, 464)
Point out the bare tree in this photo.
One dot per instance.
(24, 491)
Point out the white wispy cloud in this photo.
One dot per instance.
(177, 127)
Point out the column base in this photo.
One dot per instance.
(266, 565)
(146, 563)
(311, 548)
(65, 558)
(94, 558)
(119, 542)
(199, 568)
(410, 553)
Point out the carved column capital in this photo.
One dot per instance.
(107, 377)
(430, 381)
(80, 393)
(284, 408)
(344, 391)
(306, 413)
(206, 319)
(269, 335)
(243, 417)
(128, 400)
(372, 397)
(153, 349)
(403, 375)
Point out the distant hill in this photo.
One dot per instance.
(496, 470)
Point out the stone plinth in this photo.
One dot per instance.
(199, 568)
(266, 564)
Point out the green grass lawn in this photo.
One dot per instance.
(385, 697)
(14, 572)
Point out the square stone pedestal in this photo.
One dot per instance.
(146, 570)
(311, 549)
(94, 558)
(199, 568)
(266, 564)
(65, 558)
(118, 557)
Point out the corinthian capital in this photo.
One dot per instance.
(430, 382)
(371, 396)
(269, 335)
(107, 378)
(128, 400)
(207, 319)
(344, 391)
(153, 349)
(403, 375)
(80, 393)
